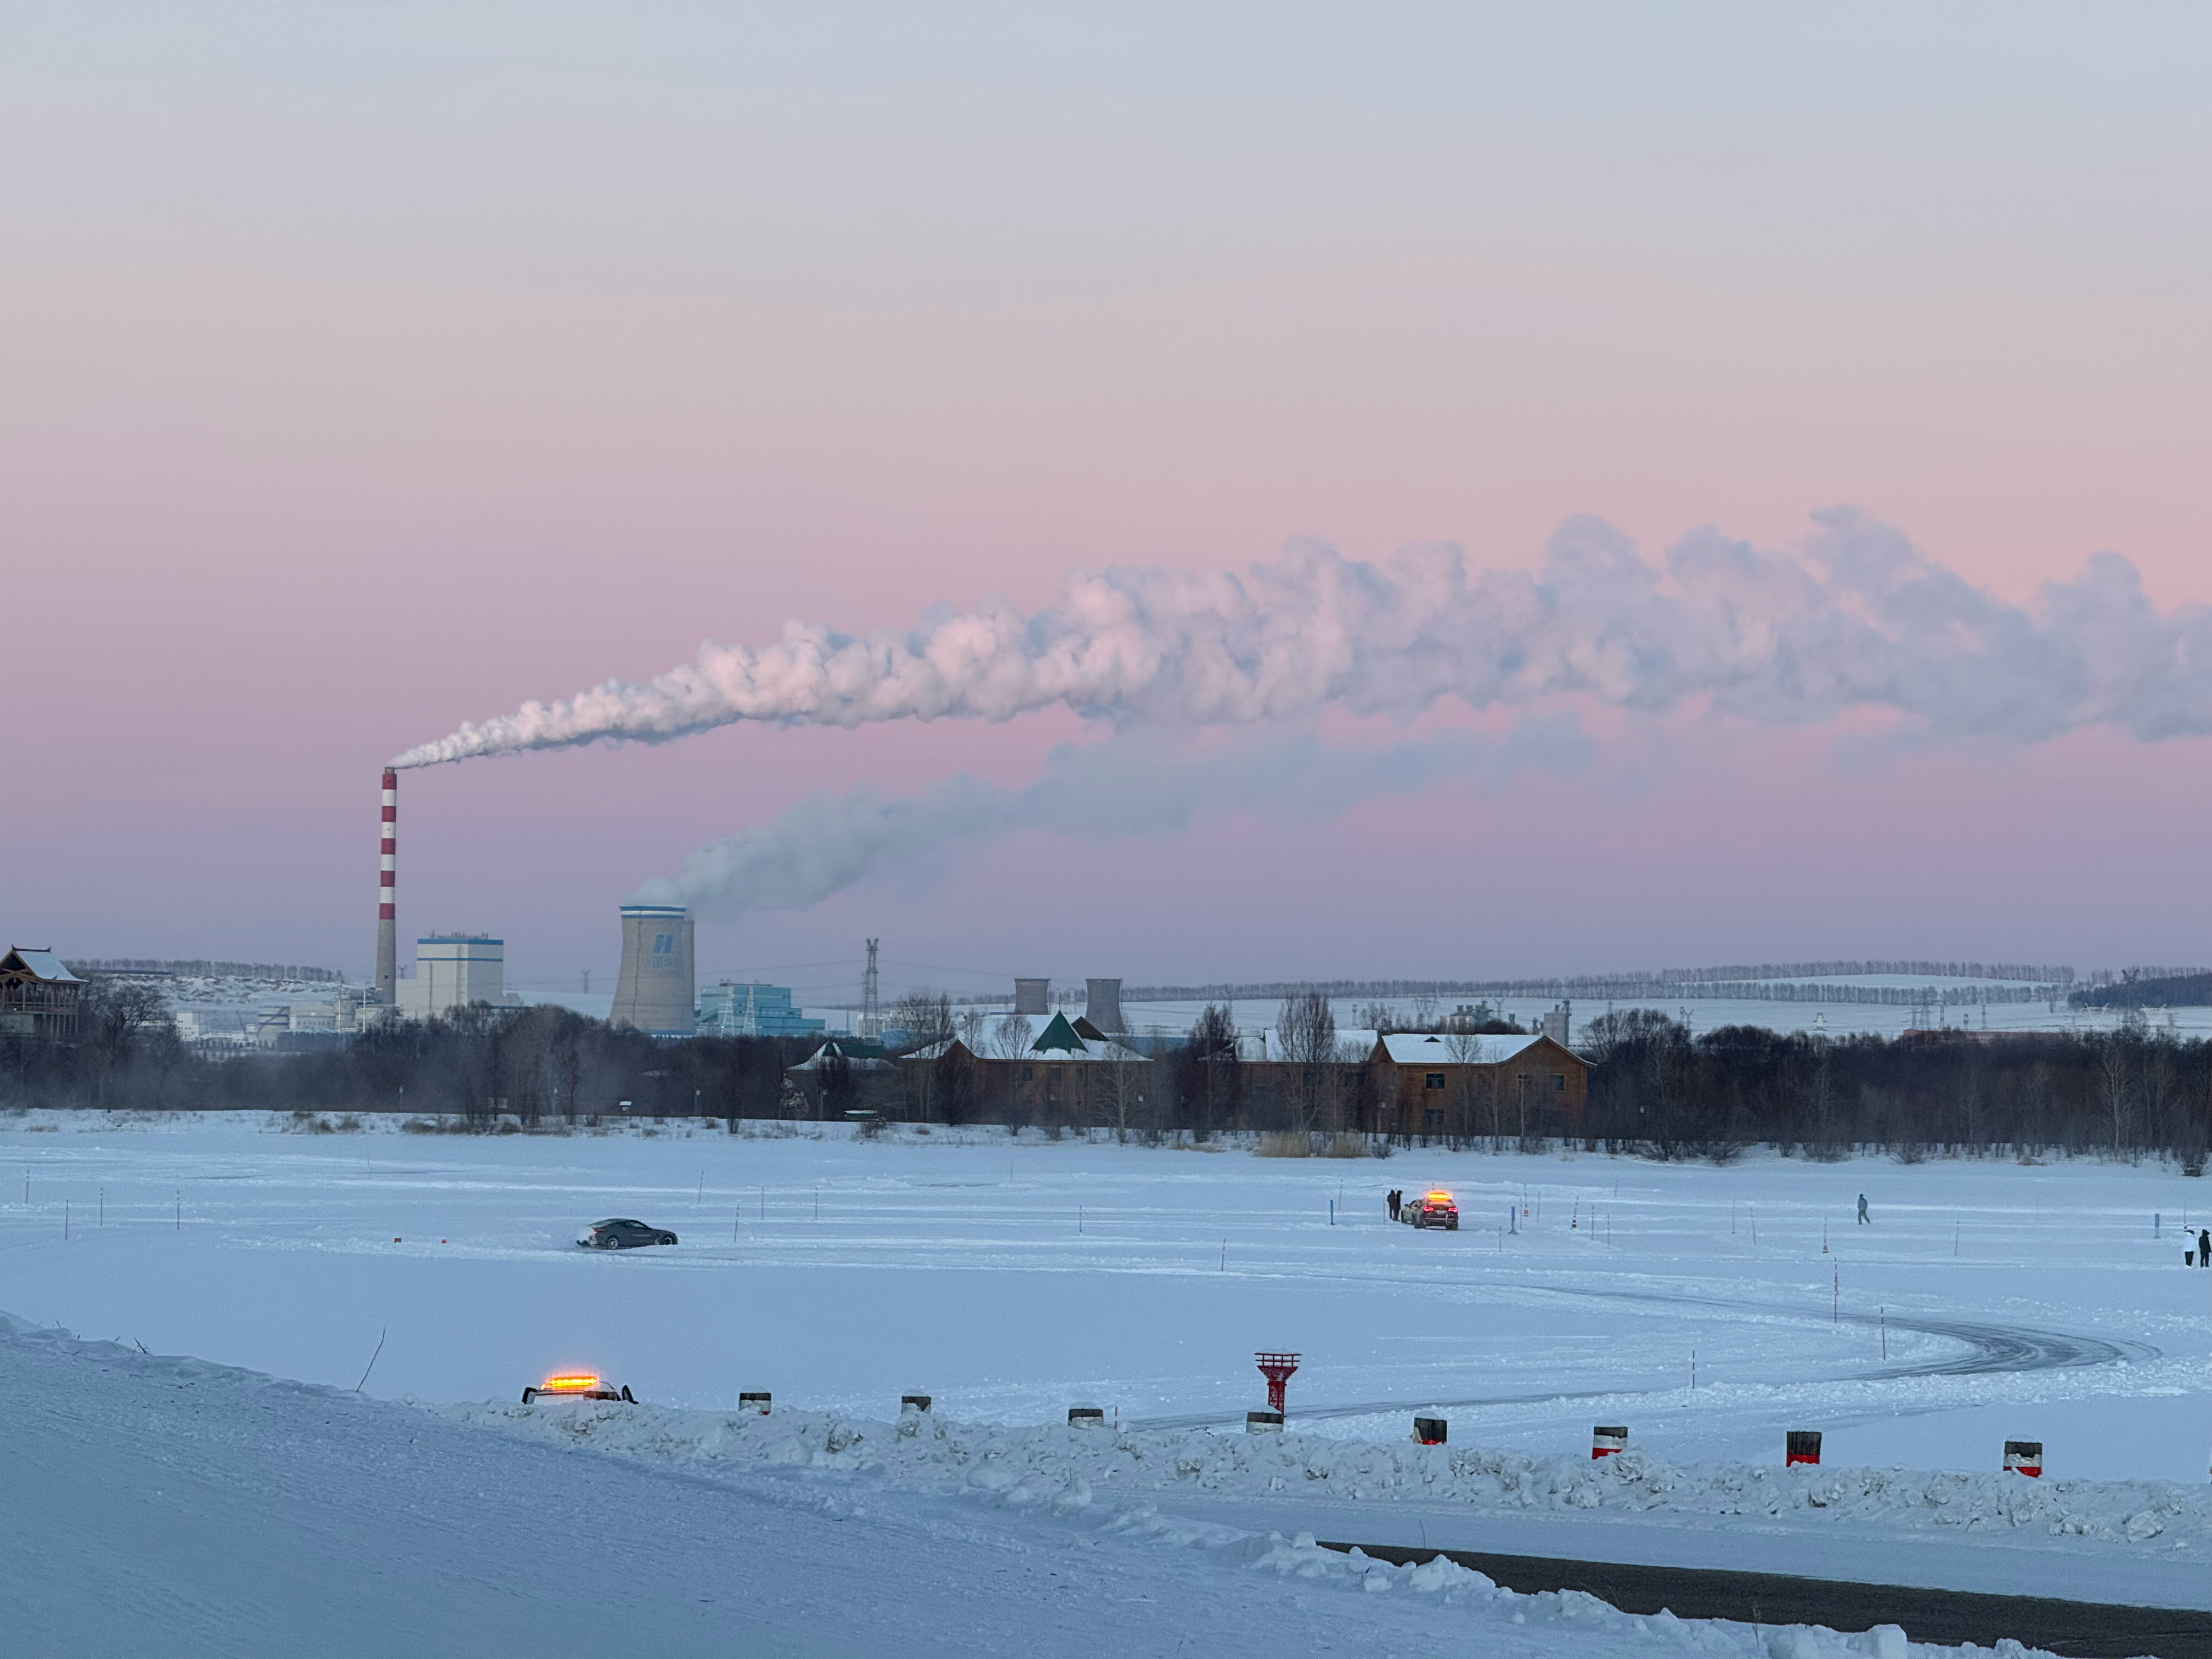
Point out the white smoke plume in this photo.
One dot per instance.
(1137, 786)
(1858, 617)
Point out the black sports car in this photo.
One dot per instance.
(621, 1234)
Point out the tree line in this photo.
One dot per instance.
(1654, 1089)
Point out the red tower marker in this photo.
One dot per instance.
(1277, 1369)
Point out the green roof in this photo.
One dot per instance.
(1058, 1035)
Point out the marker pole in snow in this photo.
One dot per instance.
(65, 1219)
(1884, 1317)
(1835, 1315)
(1331, 1213)
(1224, 1256)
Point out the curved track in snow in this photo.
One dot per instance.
(1988, 1348)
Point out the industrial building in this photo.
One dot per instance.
(655, 991)
(39, 995)
(753, 1010)
(455, 970)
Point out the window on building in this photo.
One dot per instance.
(1434, 1080)
(1434, 1117)
(1558, 1083)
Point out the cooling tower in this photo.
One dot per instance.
(387, 914)
(654, 993)
(1032, 996)
(1101, 1005)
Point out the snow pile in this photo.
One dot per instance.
(1054, 1468)
(1066, 1467)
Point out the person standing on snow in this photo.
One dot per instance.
(1392, 1200)
(2204, 1249)
(1864, 1222)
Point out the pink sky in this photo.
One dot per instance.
(360, 378)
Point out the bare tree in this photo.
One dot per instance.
(1125, 1088)
(2116, 1092)
(924, 1016)
(1308, 1029)
(1010, 1036)
(1211, 1086)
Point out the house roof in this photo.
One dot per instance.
(38, 964)
(820, 1059)
(1426, 1048)
(1354, 1044)
(1058, 1042)
(1057, 1034)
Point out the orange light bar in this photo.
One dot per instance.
(568, 1384)
(1444, 1196)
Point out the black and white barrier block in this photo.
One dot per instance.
(1429, 1431)
(913, 1403)
(753, 1402)
(2025, 1457)
(1803, 1447)
(1606, 1441)
(1263, 1422)
(1086, 1417)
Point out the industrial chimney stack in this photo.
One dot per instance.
(388, 917)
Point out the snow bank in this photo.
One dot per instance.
(1066, 1467)
(1065, 1471)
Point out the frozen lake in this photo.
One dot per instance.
(1011, 1281)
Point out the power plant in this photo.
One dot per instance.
(1032, 996)
(655, 991)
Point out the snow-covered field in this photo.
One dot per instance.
(1011, 1281)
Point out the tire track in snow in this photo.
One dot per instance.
(1989, 1349)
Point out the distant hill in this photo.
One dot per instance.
(2174, 991)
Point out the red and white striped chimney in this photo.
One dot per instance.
(387, 914)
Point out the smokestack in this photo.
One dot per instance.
(387, 916)
(655, 992)
(1101, 1005)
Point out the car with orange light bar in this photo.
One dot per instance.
(577, 1385)
(1431, 1209)
(622, 1234)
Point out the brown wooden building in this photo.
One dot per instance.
(1465, 1086)
(39, 997)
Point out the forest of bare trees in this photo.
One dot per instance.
(1655, 1090)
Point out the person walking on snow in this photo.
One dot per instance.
(2204, 1249)
(1864, 1222)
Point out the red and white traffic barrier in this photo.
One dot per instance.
(1803, 1446)
(1430, 1430)
(2025, 1457)
(1608, 1441)
(753, 1402)
(1086, 1417)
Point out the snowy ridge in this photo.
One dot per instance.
(1068, 1468)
